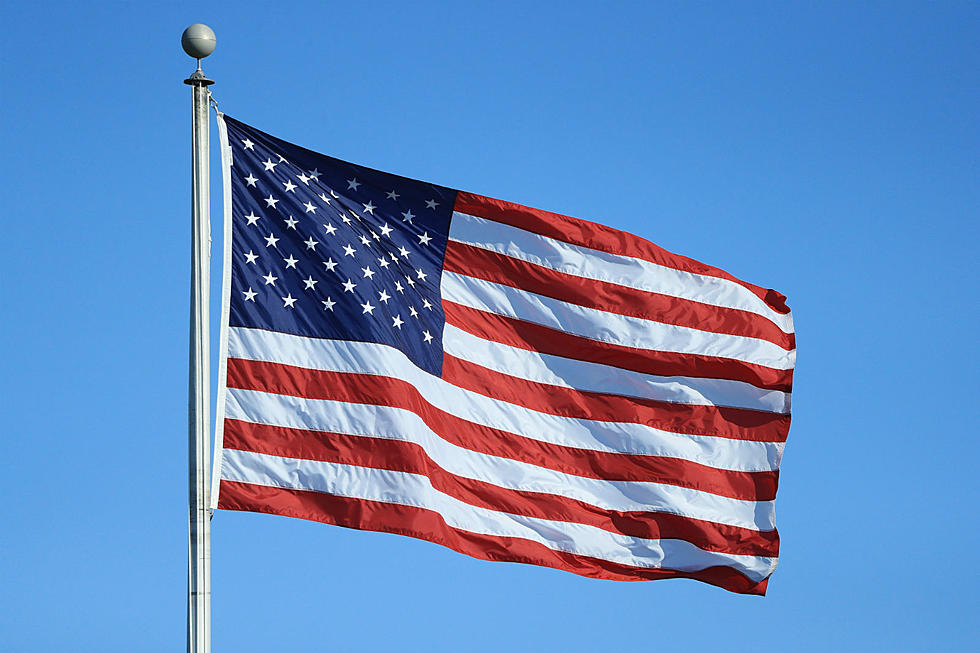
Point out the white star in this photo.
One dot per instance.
(250, 257)
(270, 280)
(426, 305)
(291, 262)
(385, 230)
(424, 238)
(310, 282)
(349, 286)
(407, 216)
(252, 218)
(383, 296)
(411, 309)
(333, 194)
(288, 301)
(399, 287)
(249, 145)
(271, 241)
(310, 208)
(327, 304)
(269, 165)
(431, 204)
(348, 250)
(368, 272)
(282, 159)
(421, 274)
(329, 228)
(323, 196)
(410, 282)
(392, 195)
(311, 244)
(375, 236)
(289, 186)
(369, 208)
(250, 295)
(343, 216)
(250, 180)
(368, 308)
(352, 184)
(315, 174)
(397, 322)
(427, 336)
(303, 178)
(291, 222)
(403, 252)
(383, 262)
(331, 264)
(365, 241)
(271, 201)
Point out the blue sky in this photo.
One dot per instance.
(827, 150)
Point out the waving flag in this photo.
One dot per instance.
(511, 383)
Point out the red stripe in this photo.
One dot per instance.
(600, 237)
(535, 337)
(411, 458)
(429, 525)
(735, 423)
(610, 297)
(386, 391)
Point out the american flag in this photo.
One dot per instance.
(508, 382)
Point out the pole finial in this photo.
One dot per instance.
(198, 41)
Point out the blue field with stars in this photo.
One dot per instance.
(327, 249)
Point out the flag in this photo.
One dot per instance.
(511, 383)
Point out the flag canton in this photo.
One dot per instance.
(327, 249)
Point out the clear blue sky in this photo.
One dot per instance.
(828, 150)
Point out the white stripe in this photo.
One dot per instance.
(389, 423)
(612, 268)
(595, 377)
(608, 327)
(401, 488)
(615, 437)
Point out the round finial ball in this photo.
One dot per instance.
(198, 40)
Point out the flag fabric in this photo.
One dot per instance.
(511, 383)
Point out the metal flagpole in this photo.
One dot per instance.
(198, 41)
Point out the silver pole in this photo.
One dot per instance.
(198, 41)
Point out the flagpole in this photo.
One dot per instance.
(198, 41)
